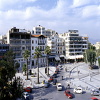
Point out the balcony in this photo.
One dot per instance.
(41, 43)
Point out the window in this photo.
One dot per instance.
(32, 48)
(23, 41)
(32, 41)
(23, 48)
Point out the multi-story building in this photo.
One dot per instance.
(3, 49)
(41, 30)
(97, 45)
(75, 45)
(19, 40)
(56, 45)
(39, 41)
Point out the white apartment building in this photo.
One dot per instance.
(75, 45)
(97, 45)
(41, 30)
(56, 45)
(39, 41)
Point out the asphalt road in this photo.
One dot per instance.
(51, 93)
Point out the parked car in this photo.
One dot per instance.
(56, 72)
(28, 89)
(95, 92)
(68, 94)
(78, 90)
(46, 84)
(59, 65)
(54, 75)
(50, 79)
(26, 95)
(57, 69)
(59, 86)
(54, 81)
(93, 67)
(94, 98)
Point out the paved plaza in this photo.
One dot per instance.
(77, 74)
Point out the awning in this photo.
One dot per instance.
(57, 58)
(64, 56)
(75, 57)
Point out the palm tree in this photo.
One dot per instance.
(47, 52)
(24, 68)
(37, 55)
(26, 55)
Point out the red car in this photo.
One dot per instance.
(50, 79)
(94, 98)
(28, 89)
(68, 94)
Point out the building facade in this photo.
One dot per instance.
(75, 45)
(41, 30)
(4, 48)
(39, 41)
(19, 40)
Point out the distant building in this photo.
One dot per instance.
(41, 30)
(97, 45)
(4, 48)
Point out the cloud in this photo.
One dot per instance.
(91, 11)
(78, 3)
(65, 15)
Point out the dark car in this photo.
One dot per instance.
(56, 72)
(54, 75)
(68, 94)
(28, 89)
(46, 84)
(54, 81)
(93, 67)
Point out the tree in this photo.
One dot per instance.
(90, 56)
(47, 52)
(24, 68)
(37, 55)
(26, 55)
(7, 74)
(99, 61)
(17, 65)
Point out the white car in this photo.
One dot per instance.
(26, 95)
(95, 92)
(59, 86)
(78, 90)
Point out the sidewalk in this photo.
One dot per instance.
(87, 79)
(32, 82)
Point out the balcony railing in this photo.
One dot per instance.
(41, 43)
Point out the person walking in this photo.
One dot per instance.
(62, 77)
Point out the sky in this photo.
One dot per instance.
(58, 15)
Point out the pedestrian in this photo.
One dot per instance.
(68, 86)
(62, 77)
(66, 69)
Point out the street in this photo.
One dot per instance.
(51, 93)
(77, 74)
